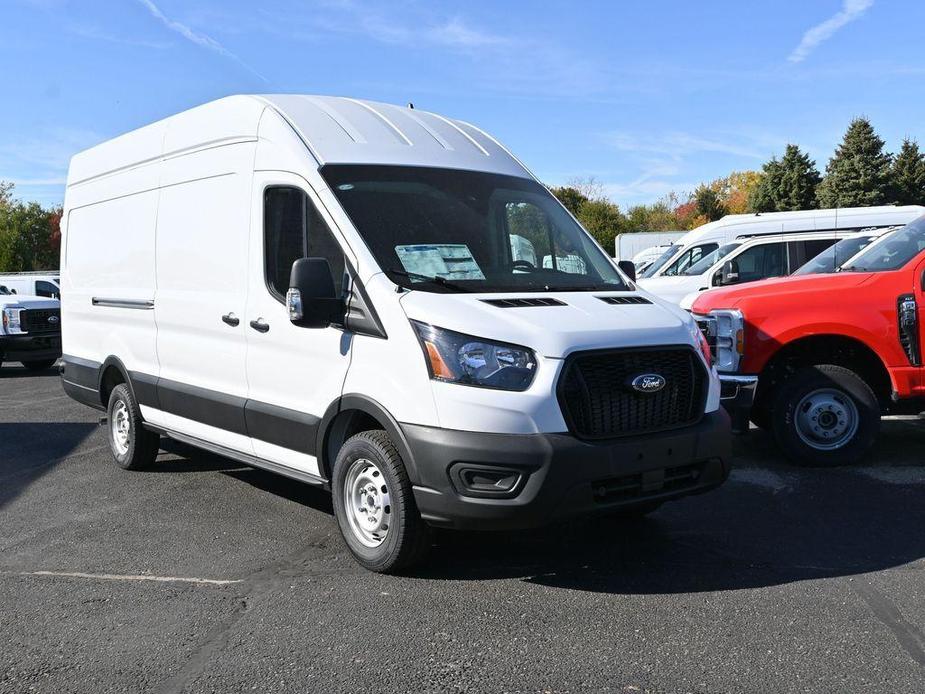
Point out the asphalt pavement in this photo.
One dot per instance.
(202, 575)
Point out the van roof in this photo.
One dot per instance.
(334, 129)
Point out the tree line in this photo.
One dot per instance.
(30, 235)
(860, 173)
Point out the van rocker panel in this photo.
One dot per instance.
(561, 475)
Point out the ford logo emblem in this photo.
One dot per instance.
(648, 383)
(52, 319)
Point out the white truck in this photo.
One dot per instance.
(30, 329)
(383, 302)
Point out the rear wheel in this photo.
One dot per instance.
(39, 365)
(374, 505)
(825, 415)
(132, 446)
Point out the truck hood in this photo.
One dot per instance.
(583, 322)
(27, 301)
(673, 289)
(806, 285)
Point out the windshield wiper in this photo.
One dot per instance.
(434, 279)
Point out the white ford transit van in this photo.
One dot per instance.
(383, 302)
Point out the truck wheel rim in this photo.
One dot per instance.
(826, 419)
(121, 427)
(367, 502)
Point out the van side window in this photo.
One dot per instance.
(762, 261)
(293, 229)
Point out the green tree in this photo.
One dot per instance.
(708, 203)
(603, 220)
(6, 193)
(26, 237)
(571, 197)
(858, 174)
(788, 184)
(908, 174)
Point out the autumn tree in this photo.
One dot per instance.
(708, 202)
(908, 174)
(858, 174)
(788, 184)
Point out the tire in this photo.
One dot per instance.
(388, 535)
(825, 416)
(40, 365)
(132, 446)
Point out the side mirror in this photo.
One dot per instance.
(628, 268)
(730, 274)
(312, 299)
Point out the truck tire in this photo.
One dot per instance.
(132, 446)
(824, 416)
(374, 505)
(40, 365)
(760, 414)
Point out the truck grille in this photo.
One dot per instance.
(598, 401)
(36, 321)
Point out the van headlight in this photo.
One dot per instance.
(725, 332)
(457, 358)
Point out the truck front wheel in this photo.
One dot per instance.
(825, 415)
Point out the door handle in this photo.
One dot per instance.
(231, 319)
(260, 325)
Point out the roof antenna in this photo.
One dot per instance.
(410, 105)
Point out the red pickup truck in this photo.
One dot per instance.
(818, 359)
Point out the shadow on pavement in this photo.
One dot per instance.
(28, 450)
(16, 370)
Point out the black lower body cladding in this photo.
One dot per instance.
(538, 478)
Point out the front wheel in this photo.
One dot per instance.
(824, 416)
(374, 505)
(132, 446)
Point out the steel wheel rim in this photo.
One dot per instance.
(121, 426)
(826, 419)
(367, 502)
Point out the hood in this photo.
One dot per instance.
(673, 289)
(582, 322)
(806, 285)
(28, 301)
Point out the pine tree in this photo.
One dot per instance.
(858, 174)
(908, 175)
(788, 184)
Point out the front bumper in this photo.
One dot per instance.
(30, 347)
(551, 476)
(737, 394)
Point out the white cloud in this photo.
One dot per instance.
(850, 11)
(677, 145)
(196, 37)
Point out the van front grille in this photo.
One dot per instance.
(598, 400)
(647, 484)
(37, 321)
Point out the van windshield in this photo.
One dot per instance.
(893, 252)
(705, 263)
(833, 256)
(661, 260)
(445, 230)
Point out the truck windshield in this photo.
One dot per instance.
(444, 230)
(893, 252)
(661, 260)
(705, 263)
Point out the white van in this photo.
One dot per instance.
(46, 284)
(697, 244)
(744, 260)
(327, 288)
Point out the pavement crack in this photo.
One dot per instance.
(909, 636)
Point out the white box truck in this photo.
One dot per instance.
(328, 288)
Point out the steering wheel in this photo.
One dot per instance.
(523, 265)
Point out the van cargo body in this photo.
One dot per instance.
(383, 302)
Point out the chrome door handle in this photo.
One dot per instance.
(260, 325)
(231, 319)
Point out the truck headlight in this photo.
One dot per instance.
(11, 322)
(457, 358)
(725, 332)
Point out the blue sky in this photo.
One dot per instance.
(645, 97)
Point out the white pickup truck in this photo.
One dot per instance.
(30, 331)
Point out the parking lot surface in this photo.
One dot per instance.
(201, 575)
